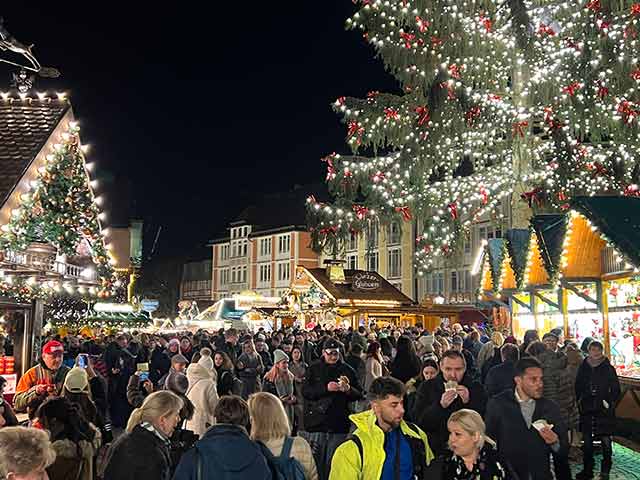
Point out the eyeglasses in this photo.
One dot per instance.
(332, 352)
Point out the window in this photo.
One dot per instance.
(265, 273)
(284, 243)
(467, 281)
(394, 269)
(265, 247)
(467, 243)
(224, 276)
(372, 235)
(394, 234)
(244, 245)
(352, 244)
(372, 261)
(284, 273)
(438, 282)
(244, 275)
(224, 252)
(233, 275)
(352, 261)
(454, 281)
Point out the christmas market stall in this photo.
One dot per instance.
(334, 296)
(580, 275)
(52, 246)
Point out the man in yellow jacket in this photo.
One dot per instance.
(383, 446)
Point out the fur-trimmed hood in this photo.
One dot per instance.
(68, 449)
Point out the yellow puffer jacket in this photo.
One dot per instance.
(346, 463)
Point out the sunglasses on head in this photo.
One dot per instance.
(333, 351)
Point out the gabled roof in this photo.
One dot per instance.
(25, 127)
(345, 291)
(495, 247)
(550, 230)
(618, 218)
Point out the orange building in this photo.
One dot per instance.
(262, 247)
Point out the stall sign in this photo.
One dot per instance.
(302, 280)
(623, 294)
(366, 282)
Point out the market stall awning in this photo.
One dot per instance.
(518, 249)
(618, 218)
(550, 230)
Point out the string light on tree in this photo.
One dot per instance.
(488, 88)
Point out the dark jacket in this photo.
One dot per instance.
(500, 378)
(8, 414)
(452, 467)
(327, 411)
(160, 364)
(432, 418)
(225, 381)
(233, 351)
(489, 363)
(135, 391)
(594, 386)
(137, 455)
(267, 361)
(520, 448)
(226, 451)
(358, 365)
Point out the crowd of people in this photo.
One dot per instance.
(457, 403)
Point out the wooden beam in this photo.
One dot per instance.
(603, 305)
(520, 302)
(568, 286)
(546, 300)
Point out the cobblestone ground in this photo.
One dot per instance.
(626, 464)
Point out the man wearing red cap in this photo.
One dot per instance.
(46, 378)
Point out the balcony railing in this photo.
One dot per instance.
(43, 263)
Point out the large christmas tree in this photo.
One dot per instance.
(536, 98)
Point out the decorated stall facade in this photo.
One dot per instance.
(53, 249)
(334, 296)
(580, 274)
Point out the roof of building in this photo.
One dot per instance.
(618, 218)
(518, 248)
(346, 291)
(275, 213)
(25, 127)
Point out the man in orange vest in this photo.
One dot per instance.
(46, 378)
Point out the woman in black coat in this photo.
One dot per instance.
(597, 392)
(144, 450)
(224, 369)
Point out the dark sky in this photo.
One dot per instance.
(196, 110)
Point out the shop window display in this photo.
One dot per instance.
(624, 326)
(585, 320)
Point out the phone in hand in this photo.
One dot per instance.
(82, 360)
(144, 376)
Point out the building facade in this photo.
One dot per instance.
(196, 282)
(387, 250)
(454, 281)
(262, 248)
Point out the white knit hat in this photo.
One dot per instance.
(279, 355)
(205, 360)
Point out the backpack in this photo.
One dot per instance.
(284, 466)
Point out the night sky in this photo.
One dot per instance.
(192, 112)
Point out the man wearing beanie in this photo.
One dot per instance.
(178, 364)
(46, 378)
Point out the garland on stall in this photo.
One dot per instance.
(539, 101)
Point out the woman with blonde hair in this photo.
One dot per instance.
(473, 454)
(280, 382)
(143, 451)
(25, 453)
(270, 427)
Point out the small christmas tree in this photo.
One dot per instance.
(536, 98)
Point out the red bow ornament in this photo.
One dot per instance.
(423, 115)
(593, 5)
(572, 88)
(408, 39)
(331, 171)
(636, 74)
(341, 101)
(454, 71)
(436, 41)
(372, 95)
(635, 10)
(472, 114)
(628, 112)
(360, 211)
(377, 177)
(486, 23)
(484, 193)
(355, 129)
(391, 113)
(405, 212)
(544, 29)
(453, 210)
(602, 91)
(519, 128)
(422, 24)
(329, 230)
(532, 196)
